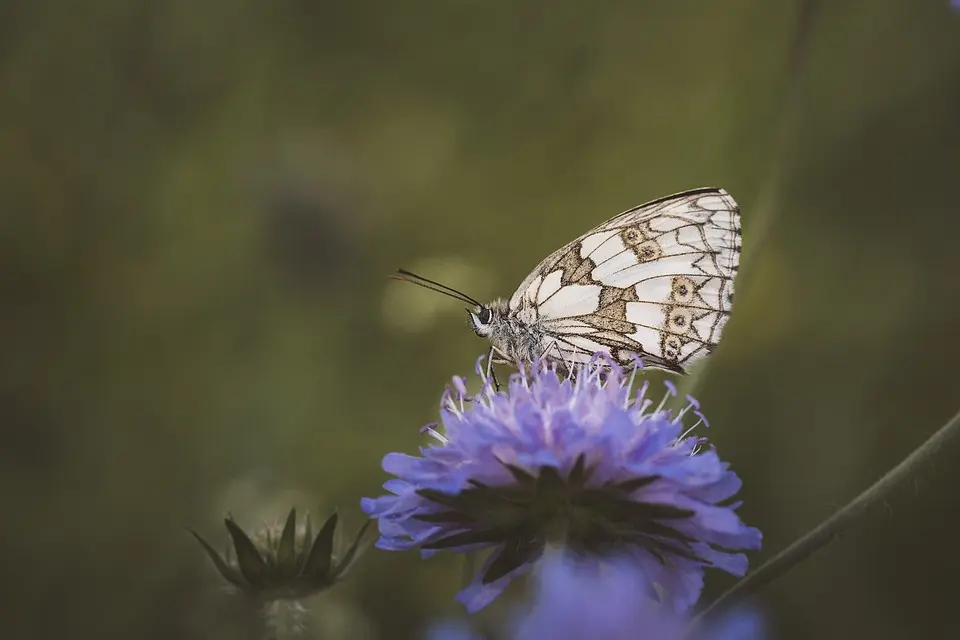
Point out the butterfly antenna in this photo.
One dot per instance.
(406, 276)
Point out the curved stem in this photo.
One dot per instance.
(469, 569)
(841, 520)
(785, 134)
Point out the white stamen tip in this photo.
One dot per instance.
(431, 430)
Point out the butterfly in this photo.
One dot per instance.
(655, 281)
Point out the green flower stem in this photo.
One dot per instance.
(469, 569)
(285, 620)
(785, 135)
(839, 522)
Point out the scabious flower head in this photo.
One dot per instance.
(576, 462)
(284, 562)
(604, 599)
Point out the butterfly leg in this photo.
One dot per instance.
(554, 344)
(491, 374)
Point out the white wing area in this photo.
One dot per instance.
(656, 280)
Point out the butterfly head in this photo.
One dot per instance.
(481, 320)
(484, 319)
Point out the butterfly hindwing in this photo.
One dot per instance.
(656, 280)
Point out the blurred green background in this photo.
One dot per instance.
(200, 202)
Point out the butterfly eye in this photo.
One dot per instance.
(485, 315)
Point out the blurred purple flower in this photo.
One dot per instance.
(605, 599)
(609, 600)
(570, 462)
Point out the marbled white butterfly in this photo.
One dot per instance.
(655, 281)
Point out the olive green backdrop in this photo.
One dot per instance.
(200, 202)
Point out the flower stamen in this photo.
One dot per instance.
(431, 430)
(671, 393)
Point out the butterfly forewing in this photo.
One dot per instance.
(656, 280)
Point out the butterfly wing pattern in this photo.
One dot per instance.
(656, 280)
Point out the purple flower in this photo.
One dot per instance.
(605, 599)
(574, 462)
(609, 600)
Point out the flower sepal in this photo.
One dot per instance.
(287, 563)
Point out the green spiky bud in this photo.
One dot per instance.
(284, 563)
